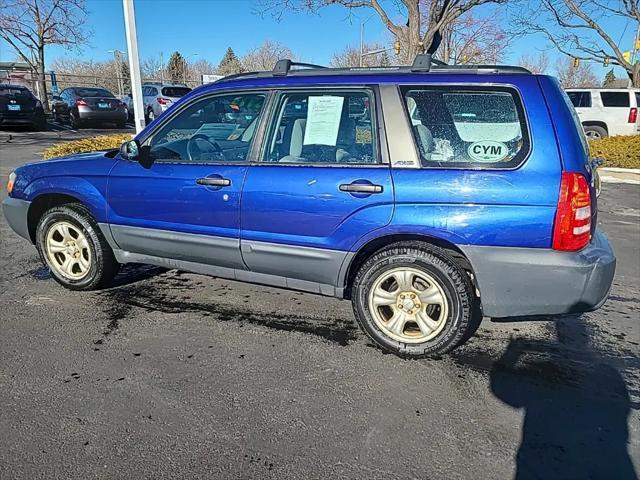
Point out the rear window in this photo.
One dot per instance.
(467, 127)
(175, 91)
(580, 99)
(93, 92)
(14, 92)
(615, 99)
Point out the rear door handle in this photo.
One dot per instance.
(214, 182)
(360, 188)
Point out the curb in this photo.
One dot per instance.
(620, 175)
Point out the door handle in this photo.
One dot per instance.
(214, 182)
(360, 188)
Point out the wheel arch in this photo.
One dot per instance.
(595, 123)
(41, 203)
(378, 243)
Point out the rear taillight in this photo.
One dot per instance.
(572, 227)
(81, 102)
(633, 115)
(163, 101)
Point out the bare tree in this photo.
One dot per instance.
(535, 63)
(472, 39)
(418, 21)
(571, 76)
(30, 25)
(583, 29)
(350, 57)
(265, 56)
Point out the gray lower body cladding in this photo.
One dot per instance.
(16, 212)
(531, 281)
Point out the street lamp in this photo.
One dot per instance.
(186, 66)
(118, 58)
(362, 35)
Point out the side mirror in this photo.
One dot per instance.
(132, 150)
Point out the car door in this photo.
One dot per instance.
(186, 205)
(322, 183)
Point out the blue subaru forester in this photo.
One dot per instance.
(430, 196)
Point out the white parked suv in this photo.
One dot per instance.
(157, 97)
(607, 111)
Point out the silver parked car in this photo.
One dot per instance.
(157, 97)
(81, 105)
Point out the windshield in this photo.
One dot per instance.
(175, 91)
(93, 92)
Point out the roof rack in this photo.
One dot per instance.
(423, 63)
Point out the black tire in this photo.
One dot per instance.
(40, 125)
(103, 263)
(594, 131)
(463, 306)
(76, 123)
(121, 125)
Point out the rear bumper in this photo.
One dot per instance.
(16, 211)
(97, 116)
(529, 281)
(21, 119)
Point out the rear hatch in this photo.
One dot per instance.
(16, 101)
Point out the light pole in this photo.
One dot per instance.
(118, 58)
(362, 35)
(134, 63)
(186, 66)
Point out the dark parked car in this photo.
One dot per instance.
(83, 105)
(18, 106)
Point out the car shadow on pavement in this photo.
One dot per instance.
(576, 407)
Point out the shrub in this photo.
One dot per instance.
(91, 144)
(619, 151)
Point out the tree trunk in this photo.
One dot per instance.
(634, 75)
(42, 83)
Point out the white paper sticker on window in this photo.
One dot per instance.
(323, 120)
(488, 151)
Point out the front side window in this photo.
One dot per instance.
(580, 99)
(615, 99)
(323, 128)
(467, 127)
(211, 130)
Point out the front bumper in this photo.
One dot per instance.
(16, 212)
(529, 281)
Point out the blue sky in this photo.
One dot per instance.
(208, 27)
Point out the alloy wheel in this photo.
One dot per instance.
(68, 251)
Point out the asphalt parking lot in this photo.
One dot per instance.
(176, 375)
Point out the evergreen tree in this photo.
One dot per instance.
(176, 67)
(230, 63)
(609, 78)
(384, 60)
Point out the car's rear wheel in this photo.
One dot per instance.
(70, 243)
(415, 300)
(76, 123)
(151, 116)
(594, 131)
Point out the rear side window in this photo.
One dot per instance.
(175, 91)
(615, 99)
(467, 127)
(580, 99)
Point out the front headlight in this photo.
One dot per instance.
(11, 182)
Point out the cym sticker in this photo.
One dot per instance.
(488, 151)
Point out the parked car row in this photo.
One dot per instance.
(81, 106)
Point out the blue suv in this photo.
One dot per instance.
(430, 196)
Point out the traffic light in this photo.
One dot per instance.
(396, 47)
(626, 56)
(576, 62)
(606, 62)
(421, 47)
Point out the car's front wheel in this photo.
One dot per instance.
(71, 244)
(415, 300)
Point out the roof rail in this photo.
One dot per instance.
(282, 67)
(422, 63)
